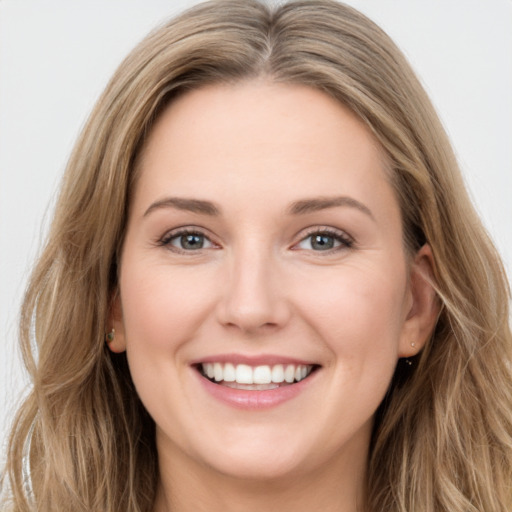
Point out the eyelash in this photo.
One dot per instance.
(344, 240)
(166, 240)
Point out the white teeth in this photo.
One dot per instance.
(229, 373)
(243, 374)
(263, 374)
(289, 373)
(218, 374)
(278, 373)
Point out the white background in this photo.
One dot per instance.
(57, 55)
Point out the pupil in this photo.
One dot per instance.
(322, 242)
(192, 241)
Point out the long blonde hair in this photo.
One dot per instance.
(442, 440)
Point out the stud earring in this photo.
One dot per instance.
(109, 337)
(408, 362)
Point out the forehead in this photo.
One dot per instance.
(259, 136)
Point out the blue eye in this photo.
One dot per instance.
(324, 241)
(188, 241)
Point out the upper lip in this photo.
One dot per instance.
(253, 360)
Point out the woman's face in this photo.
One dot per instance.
(264, 249)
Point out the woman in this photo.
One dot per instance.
(265, 286)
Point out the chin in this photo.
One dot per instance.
(258, 454)
(260, 467)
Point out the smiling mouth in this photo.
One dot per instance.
(257, 378)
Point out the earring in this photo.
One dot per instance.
(109, 337)
(408, 361)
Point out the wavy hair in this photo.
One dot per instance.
(442, 440)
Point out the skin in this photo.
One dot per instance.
(259, 286)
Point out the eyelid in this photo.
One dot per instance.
(347, 241)
(168, 236)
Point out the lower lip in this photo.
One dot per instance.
(255, 399)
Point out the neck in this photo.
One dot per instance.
(188, 486)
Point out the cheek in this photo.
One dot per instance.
(359, 313)
(161, 308)
(356, 313)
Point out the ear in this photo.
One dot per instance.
(115, 322)
(423, 304)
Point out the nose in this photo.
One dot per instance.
(253, 296)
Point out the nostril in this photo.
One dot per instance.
(251, 318)
(251, 299)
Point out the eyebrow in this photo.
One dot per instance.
(189, 205)
(300, 207)
(316, 204)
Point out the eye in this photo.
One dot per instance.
(187, 241)
(325, 240)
